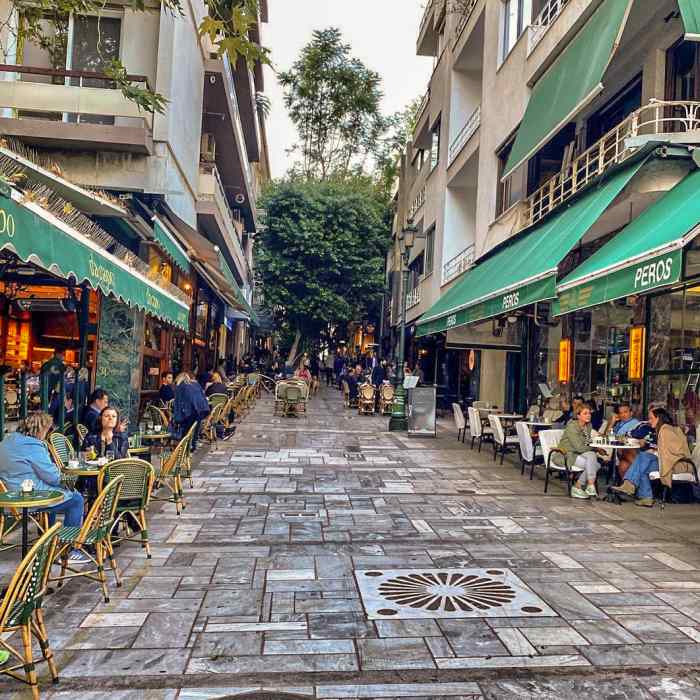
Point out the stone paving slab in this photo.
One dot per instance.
(253, 591)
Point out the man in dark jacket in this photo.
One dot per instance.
(379, 374)
(190, 406)
(166, 392)
(351, 379)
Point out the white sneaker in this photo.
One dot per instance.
(576, 492)
(590, 490)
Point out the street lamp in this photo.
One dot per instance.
(407, 239)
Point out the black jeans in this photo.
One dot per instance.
(186, 425)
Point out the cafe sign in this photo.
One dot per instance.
(645, 276)
(635, 370)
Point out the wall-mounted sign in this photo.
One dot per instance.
(565, 348)
(635, 371)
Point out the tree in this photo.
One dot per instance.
(45, 23)
(334, 101)
(320, 256)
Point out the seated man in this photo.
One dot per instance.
(353, 389)
(23, 455)
(99, 400)
(672, 446)
(167, 391)
(622, 424)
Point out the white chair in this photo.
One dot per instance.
(477, 430)
(529, 452)
(460, 422)
(501, 441)
(549, 439)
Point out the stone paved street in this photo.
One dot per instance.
(323, 557)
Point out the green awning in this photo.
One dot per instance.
(571, 82)
(645, 255)
(690, 12)
(169, 244)
(524, 271)
(37, 236)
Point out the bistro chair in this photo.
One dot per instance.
(529, 452)
(96, 531)
(61, 449)
(216, 399)
(11, 403)
(293, 398)
(11, 519)
(460, 421)
(501, 442)
(158, 416)
(21, 610)
(82, 432)
(171, 472)
(133, 499)
(208, 426)
(366, 400)
(476, 428)
(280, 394)
(386, 399)
(549, 439)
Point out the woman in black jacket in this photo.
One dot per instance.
(106, 440)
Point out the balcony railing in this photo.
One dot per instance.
(459, 264)
(422, 106)
(413, 298)
(468, 9)
(544, 20)
(465, 133)
(417, 203)
(70, 95)
(658, 117)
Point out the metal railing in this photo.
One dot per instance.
(460, 263)
(413, 298)
(422, 107)
(658, 117)
(544, 20)
(468, 9)
(465, 133)
(417, 203)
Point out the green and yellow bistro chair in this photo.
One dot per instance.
(170, 474)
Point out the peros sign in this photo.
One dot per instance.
(511, 301)
(653, 274)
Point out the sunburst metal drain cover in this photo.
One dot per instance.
(432, 593)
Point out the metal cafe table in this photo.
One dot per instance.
(27, 501)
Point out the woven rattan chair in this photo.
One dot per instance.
(177, 464)
(11, 519)
(21, 611)
(216, 399)
(158, 416)
(133, 499)
(208, 428)
(96, 531)
(81, 431)
(386, 398)
(365, 403)
(280, 393)
(61, 449)
(292, 400)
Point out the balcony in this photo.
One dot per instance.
(460, 263)
(656, 118)
(413, 298)
(218, 221)
(72, 109)
(544, 20)
(465, 133)
(463, 20)
(417, 203)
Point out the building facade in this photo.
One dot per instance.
(552, 162)
(167, 198)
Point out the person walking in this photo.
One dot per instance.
(190, 406)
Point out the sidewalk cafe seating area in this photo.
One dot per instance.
(118, 495)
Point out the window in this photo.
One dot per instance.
(515, 18)
(614, 112)
(510, 190)
(435, 145)
(429, 250)
(415, 271)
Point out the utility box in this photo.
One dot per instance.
(422, 413)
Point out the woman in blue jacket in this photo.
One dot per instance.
(190, 406)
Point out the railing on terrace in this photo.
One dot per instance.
(423, 105)
(544, 20)
(658, 117)
(468, 9)
(413, 298)
(461, 262)
(417, 203)
(68, 92)
(465, 133)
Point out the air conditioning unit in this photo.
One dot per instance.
(207, 148)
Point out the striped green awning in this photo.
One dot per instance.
(690, 12)
(571, 82)
(646, 255)
(523, 272)
(166, 240)
(36, 236)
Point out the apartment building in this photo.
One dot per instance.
(554, 147)
(176, 191)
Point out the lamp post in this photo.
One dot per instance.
(399, 420)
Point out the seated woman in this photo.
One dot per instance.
(672, 446)
(106, 438)
(303, 373)
(575, 443)
(24, 455)
(216, 386)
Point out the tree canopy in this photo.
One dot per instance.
(320, 257)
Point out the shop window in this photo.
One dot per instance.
(153, 335)
(201, 317)
(435, 145)
(150, 380)
(666, 351)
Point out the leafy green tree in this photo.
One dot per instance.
(45, 23)
(334, 101)
(320, 256)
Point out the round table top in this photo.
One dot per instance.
(163, 435)
(32, 499)
(539, 422)
(620, 446)
(83, 470)
(508, 416)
